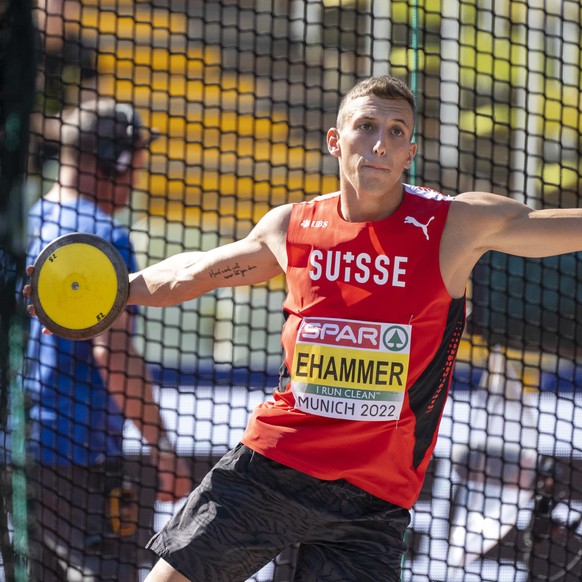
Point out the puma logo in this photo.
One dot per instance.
(414, 222)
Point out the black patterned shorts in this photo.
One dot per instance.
(249, 508)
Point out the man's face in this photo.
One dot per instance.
(373, 144)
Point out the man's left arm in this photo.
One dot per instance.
(506, 225)
(479, 222)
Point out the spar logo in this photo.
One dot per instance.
(395, 338)
(346, 333)
(341, 333)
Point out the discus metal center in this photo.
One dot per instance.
(75, 286)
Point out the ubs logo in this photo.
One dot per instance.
(313, 223)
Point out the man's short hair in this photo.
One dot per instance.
(385, 87)
(108, 130)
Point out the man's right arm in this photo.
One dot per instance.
(255, 259)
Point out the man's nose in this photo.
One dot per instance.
(380, 147)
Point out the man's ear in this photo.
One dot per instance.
(411, 154)
(333, 144)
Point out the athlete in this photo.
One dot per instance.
(376, 277)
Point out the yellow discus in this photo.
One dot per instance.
(79, 286)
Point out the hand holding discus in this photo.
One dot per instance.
(79, 286)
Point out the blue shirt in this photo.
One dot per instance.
(74, 419)
(39, 212)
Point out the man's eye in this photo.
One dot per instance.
(365, 126)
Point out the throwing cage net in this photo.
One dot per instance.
(241, 94)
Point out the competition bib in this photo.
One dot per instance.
(353, 370)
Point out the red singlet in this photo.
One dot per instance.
(370, 341)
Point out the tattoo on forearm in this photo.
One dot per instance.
(230, 271)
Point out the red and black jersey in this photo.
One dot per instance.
(370, 340)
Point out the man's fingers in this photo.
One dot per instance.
(27, 292)
(27, 289)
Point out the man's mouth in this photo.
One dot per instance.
(376, 167)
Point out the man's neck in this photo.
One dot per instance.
(362, 208)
